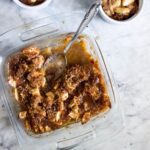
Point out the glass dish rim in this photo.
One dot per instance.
(104, 60)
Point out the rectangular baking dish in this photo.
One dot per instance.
(47, 32)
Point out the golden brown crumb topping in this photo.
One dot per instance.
(77, 95)
(120, 9)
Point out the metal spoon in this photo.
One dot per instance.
(58, 62)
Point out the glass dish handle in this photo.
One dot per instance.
(74, 142)
(30, 34)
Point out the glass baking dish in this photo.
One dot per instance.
(46, 32)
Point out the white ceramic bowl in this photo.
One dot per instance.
(39, 6)
(111, 20)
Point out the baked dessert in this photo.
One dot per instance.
(46, 105)
(120, 9)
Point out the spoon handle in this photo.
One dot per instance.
(93, 10)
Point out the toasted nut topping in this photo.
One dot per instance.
(31, 52)
(64, 95)
(22, 115)
(58, 114)
(47, 128)
(46, 105)
(86, 117)
(16, 94)
(11, 81)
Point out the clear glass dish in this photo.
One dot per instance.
(46, 32)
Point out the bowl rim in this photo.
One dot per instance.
(111, 20)
(39, 6)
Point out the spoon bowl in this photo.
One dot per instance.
(55, 66)
(57, 63)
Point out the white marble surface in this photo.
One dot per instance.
(127, 50)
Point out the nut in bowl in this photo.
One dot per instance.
(32, 4)
(120, 11)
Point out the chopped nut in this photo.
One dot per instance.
(36, 130)
(11, 81)
(27, 125)
(37, 62)
(43, 113)
(59, 123)
(50, 99)
(56, 85)
(43, 82)
(23, 92)
(47, 128)
(35, 100)
(21, 70)
(86, 117)
(41, 128)
(72, 104)
(74, 113)
(15, 91)
(64, 95)
(37, 78)
(50, 95)
(61, 105)
(75, 101)
(35, 74)
(35, 91)
(58, 114)
(94, 92)
(86, 106)
(31, 52)
(23, 114)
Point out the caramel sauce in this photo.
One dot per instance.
(77, 53)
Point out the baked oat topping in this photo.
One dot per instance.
(76, 96)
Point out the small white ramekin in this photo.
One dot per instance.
(111, 20)
(36, 7)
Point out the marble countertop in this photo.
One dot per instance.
(127, 50)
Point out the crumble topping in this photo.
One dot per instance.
(76, 96)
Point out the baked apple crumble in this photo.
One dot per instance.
(45, 105)
(120, 9)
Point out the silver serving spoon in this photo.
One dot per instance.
(58, 62)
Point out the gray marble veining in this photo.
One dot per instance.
(126, 49)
